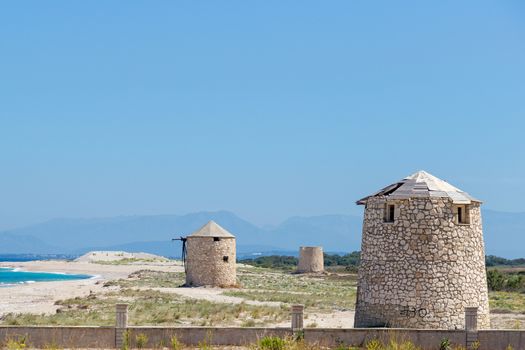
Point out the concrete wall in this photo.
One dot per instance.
(104, 337)
(422, 269)
(500, 339)
(62, 337)
(427, 339)
(210, 335)
(205, 262)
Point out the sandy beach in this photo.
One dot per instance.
(40, 297)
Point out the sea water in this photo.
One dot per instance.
(10, 276)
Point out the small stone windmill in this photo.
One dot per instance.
(210, 257)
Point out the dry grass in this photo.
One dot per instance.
(323, 293)
(151, 308)
(317, 292)
(150, 278)
(130, 261)
(507, 302)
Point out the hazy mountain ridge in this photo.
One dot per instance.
(504, 233)
(14, 243)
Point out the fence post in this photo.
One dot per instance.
(471, 325)
(297, 318)
(121, 324)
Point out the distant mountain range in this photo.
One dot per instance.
(504, 234)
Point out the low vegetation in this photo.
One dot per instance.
(265, 343)
(347, 261)
(149, 307)
(503, 302)
(507, 292)
(492, 260)
(141, 340)
(508, 280)
(150, 278)
(351, 261)
(153, 303)
(16, 343)
(273, 262)
(276, 343)
(317, 292)
(129, 261)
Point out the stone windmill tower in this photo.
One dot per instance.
(422, 256)
(311, 259)
(211, 257)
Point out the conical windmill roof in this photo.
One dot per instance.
(212, 229)
(422, 184)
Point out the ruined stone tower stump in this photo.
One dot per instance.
(211, 257)
(310, 260)
(422, 257)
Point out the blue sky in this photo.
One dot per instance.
(266, 108)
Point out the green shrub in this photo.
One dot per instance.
(125, 341)
(444, 344)
(19, 343)
(51, 346)
(343, 347)
(495, 280)
(374, 344)
(206, 343)
(406, 345)
(248, 323)
(142, 340)
(271, 343)
(508, 281)
(475, 345)
(175, 344)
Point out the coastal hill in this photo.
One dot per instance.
(504, 234)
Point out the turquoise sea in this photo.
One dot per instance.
(9, 276)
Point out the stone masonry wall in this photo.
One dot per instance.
(205, 262)
(423, 269)
(311, 259)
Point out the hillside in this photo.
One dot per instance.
(504, 234)
(154, 233)
(13, 243)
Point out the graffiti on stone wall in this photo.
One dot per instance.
(411, 312)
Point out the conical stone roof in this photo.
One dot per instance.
(212, 229)
(422, 184)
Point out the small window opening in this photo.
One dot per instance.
(216, 239)
(225, 258)
(463, 214)
(390, 213)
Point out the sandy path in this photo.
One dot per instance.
(507, 321)
(212, 294)
(336, 319)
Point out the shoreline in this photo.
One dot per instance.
(74, 277)
(40, 297)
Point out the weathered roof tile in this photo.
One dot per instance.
(422, 184)
(212, 229)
